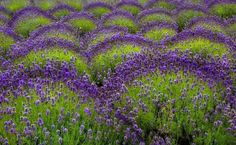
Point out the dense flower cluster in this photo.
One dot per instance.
(156, 72)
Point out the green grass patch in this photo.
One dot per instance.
(83, 24)
(156, 17)
(99, 11)
(110, 59)
(159, 34)
(224, 10)
(185, 16)
(63, 109)
(132, 9)
(6, 42)
(56, 54)
(123, 22)
(61, 13)
(14, 5)
(28, 24)
(203, 46)
(178, 106)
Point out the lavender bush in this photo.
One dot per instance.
(117, 72)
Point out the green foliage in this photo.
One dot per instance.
(159, 34)
(156, 17)
(123, 22)
(224, 10)
(28, 24)
(14, 5)
(132, 9)
(46, 4)
(83, 24)
(110, 59)
(56, 54)
(203, 46)
(61, 13)
(174, 108)
(185, 16)
(143, 1)
(5, 42)
(99, 11)
(77, 4)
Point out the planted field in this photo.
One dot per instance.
(118, 72)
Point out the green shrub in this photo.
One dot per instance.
(6, 41)
(110, 59)
(185, 16)
(224, 10)
(99, 11)
(159, 34)
(56, 54)
(123, 22)
(14, 5)
(203, 46)
(28, 24)
(83, 24)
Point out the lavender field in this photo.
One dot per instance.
(110, 72)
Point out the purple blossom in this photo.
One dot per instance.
(87, 111)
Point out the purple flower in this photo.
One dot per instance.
(40, 122)
(81, 128)
(87, 111)
(37, 102)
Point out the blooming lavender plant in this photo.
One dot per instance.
(81, 77)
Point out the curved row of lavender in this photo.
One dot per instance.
(156, 72)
